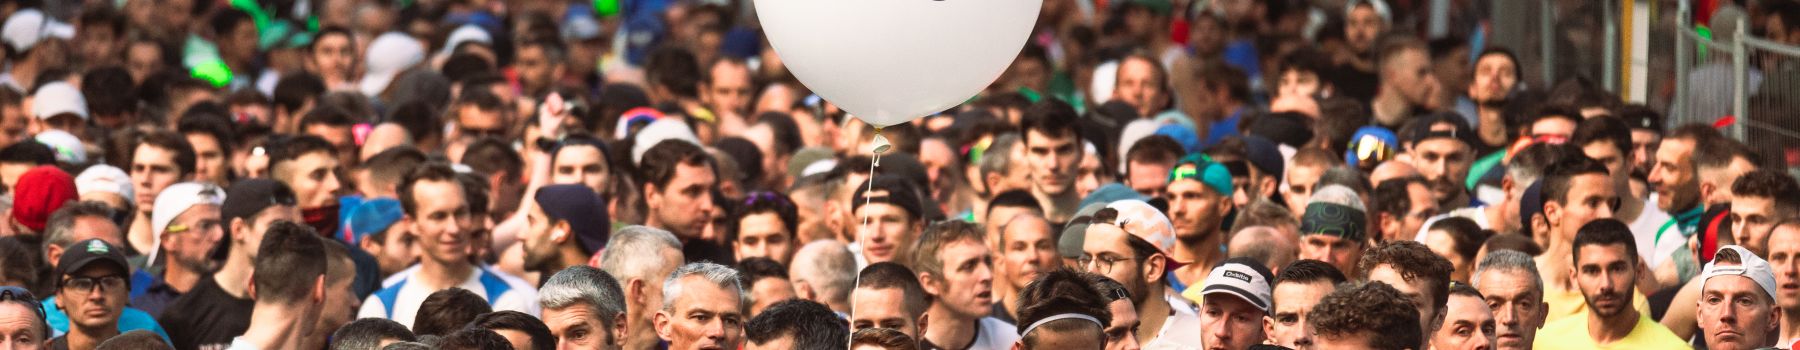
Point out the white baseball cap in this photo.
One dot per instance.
(390, 54)
(465, 33)
(1140, 219)
(27, 27)
(67, 147)
(1750, 266)
(58, 98)
(104, 178)
(1242, 277)
(177, 199)
(657, 131)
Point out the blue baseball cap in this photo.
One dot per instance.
(372, 216)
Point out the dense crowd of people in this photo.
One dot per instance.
(647, 174)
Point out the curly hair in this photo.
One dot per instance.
(1414, 261)
(1368, 308)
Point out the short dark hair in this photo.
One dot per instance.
(1051, 117)
(175, 143)
(1158, 149)
(659, 162)
(1061, 291)
(765, 202)
(886, 338)
(448, 310)
(1603, 129)
(1235, 81)
(786, 131)
(109, 90)
(1604, 232)
(432, 171)
(517, 321)
(1554, 111)
(388, 166)
(226, 19)
(1721, 153)
(1764, 183)
(328, 115)
(1309, 271)
(1559, 177)
(754, 269)
(481, 99)
(1465, 289)
(673, 67)
(1414, 261)
(491, 155)
(295, 89)
(1394, 196)
(288, 263)
(811, 324)
(291, 147)
(1372, 308)
(1013, 198)
(22, 263)
(1466, 237)
(136, 340)
(1503, 52)
(366, 333)
(886, 275)
(419, 118)
(473, 339)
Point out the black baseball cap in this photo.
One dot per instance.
(891, 190)
(1420, 129)
(245, 198)
(84, 253)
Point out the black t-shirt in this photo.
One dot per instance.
(206, 317)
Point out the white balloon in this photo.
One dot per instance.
(891, 61)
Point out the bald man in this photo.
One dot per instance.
(1266, 244)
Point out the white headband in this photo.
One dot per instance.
(1034, 325)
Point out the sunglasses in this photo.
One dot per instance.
(10, 293)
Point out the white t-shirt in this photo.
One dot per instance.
(1644, 230)
(514, 295)
(1180, 331)
(995, 335)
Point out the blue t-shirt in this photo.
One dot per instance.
(130, 320)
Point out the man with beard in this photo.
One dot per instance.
(1441, 151)
(1199, 194)
(1053, 148)
(568, 224)
(1676, 180)
(1605, 260)
(956, 270)
(186, 220)
(218, 308)
(1129, 241)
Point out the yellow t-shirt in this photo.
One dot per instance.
(1572, 333)
(1570, 303)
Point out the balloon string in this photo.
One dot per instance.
(877, 161)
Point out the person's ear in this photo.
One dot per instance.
(1268, 325)
(1775, 320)
(924, 321)
(1018, 344)
(231, 229)
(804, 290)
(1553, 213)
(930, 284)
(634, 289)
(1706, 190)
(318, 290)
(370, 245)
(53, 252)
(559, 233)
(664, 325)
(652, 198)
(1153, 268)
(251, 290)
(1387, 222)
(619, 330)
(1506, 186)
(1267, 188)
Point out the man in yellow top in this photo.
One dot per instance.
(1574, 191)
(1606, 265)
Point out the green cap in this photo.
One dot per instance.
(1204, 170)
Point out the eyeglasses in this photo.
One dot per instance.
(1099, 263)
(203, 226)
(87, 284)
(10, 293)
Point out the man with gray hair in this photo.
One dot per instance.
(584, 308)
(703, 308)
(640, 257)
(1002, 169)
(824, 271)
(1508, 279)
